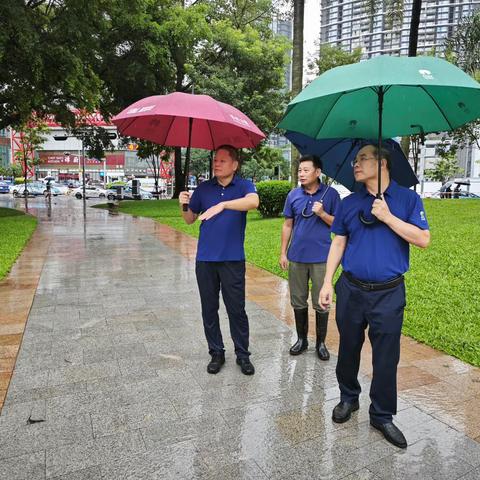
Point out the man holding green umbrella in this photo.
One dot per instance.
(375, 226)
(371, 290)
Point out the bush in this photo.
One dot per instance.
(272, 195)
(21, 180)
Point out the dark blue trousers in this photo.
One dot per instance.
(229, 277)
(382, 312)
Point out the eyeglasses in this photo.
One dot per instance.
(361, 160)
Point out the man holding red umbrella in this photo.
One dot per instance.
(221, 204)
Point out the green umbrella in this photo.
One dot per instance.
(385, 97)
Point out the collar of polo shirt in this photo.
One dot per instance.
(215, 181)
(388, 192)
(320, 185)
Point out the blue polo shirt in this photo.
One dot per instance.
(375, 253)
(311, 239)
(222, 237)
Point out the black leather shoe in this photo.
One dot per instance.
(342, 412)
(391, 433)
(216, 363)
(246, 366)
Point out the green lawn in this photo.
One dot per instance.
(15, 231)
(443, 283)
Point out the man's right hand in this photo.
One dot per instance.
(283, 262)
(326, 296)
(184, 198)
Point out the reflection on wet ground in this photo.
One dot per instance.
(110, 379)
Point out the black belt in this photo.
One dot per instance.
(374, 286)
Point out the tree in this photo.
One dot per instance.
(297, 70)
(445, 168)
(153, 154)
(331, 57)
(414, 25)
(215, 50)
(32, 136)
(463, 47)
(263, 162)
(47, 58)
(463, 50)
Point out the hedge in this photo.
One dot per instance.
(273, 194)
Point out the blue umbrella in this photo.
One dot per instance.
(338, 153)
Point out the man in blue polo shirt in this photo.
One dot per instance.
(308, 215)
(221, 204)
(372, 239)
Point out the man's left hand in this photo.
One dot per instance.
(380, 209)
(212, 211)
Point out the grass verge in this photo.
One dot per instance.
(443, 303)
(16, 229)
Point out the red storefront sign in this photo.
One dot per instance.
(54, 159)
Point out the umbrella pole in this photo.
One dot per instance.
(380, 122)
(380, 93)
(187, 160)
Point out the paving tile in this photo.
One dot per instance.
(179, 461)
(67, 459)
(30, 466)
(421, 460)
(52, 433)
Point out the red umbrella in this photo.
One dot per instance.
(187, 120)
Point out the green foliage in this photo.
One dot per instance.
(16, 229)
(272, 196)
(14, 170)
(331, 57)
(463, 50)
(445, 168)
(48, 56)
(261, 163)
(442, 294)
(20, 180)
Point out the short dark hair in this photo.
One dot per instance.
(316, 160)
(231, 150)
(384, 154)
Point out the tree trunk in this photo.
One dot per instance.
(297, 71)
(414, 24)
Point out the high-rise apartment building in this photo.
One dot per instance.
(348, 24)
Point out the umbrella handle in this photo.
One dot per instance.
(185, 207)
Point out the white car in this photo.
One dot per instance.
(90, 192)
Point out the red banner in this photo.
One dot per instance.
(72, 160)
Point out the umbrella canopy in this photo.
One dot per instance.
(337, 155)
(183, 120)
(413, 95)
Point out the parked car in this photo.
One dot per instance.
(128, 195)
(61, 189)
(4, 187)
(90, 192)
(33, 189)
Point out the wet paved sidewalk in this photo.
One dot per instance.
(110, 380)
